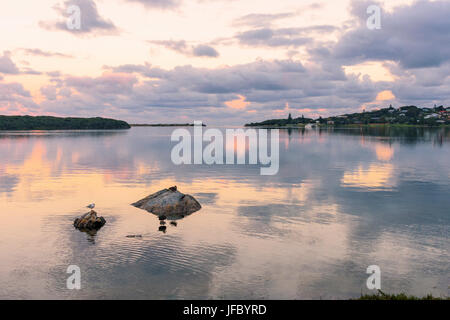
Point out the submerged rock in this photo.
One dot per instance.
(169, 204)
(89, 221)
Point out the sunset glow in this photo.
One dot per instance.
(212, 58)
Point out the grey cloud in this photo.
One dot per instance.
(161, 4)
(12, 89)
(14, 98)
(41, 53)
(205, 51)
(413, 44)
(166, 94)
(415, 36)
(146, 70)
(271, 38)
(91, 21)
(30, 71)
(181, 46)
(110, 84)
(283, 37)
(50, 92)
(277, 75)
(261, 19)
(7, 66)
(54, 74)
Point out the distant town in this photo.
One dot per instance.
(406, 115)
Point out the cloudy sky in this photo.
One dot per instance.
(226, 62)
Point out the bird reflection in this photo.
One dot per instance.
(172, 220)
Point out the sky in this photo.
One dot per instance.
(223, 62)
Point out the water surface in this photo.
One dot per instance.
(342, 200)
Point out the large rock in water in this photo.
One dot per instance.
(169, 203)
(89, 221)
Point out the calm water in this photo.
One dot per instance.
(343, 200)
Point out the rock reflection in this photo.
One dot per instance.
(91, 235)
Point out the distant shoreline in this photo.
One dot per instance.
(25, 123)
(406, 116)
(291, 126)
(164, 125)
(370, 125)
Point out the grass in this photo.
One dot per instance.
(401, 296)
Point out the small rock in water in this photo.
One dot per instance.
(162, 228)
(89, 221)
(173, 223)
(169, 203)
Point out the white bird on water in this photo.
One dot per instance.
(91, 206)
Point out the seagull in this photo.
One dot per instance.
(91, 206)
